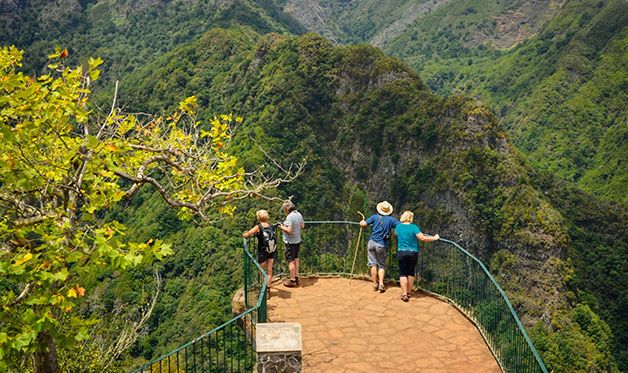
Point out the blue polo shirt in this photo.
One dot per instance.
(381, 226)
(406, 237)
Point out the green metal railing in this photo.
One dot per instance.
(230, 346)
(444, 268)
(338, 248)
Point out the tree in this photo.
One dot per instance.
(61, 169)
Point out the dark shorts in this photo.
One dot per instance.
(292, 251)
(407, 262)
(263, 255)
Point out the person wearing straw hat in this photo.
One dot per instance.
(408, 235)
(382, 224)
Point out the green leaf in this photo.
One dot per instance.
(24, 340)
(81, 335)
(92, 141)
(164, 249)
(61, 275)
(7, 134)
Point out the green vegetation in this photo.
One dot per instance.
(62, 170)
(371, 130)
(561, 94)
(364, 119)
(555, 73)
(128, 33)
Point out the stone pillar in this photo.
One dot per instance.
(278, 347)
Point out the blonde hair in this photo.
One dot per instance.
(407, 217)
(262, 215)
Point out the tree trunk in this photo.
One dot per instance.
(46, 359)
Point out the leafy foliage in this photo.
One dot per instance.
(60, 174)
(369, 126)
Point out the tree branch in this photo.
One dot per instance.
(22, 295)
(34, 220)
(160, 189)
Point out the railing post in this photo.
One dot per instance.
(246, 275)
(262, 313)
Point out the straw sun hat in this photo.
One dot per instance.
(384, 208)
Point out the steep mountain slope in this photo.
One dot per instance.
(126, 33)
(369, 125)
(498, 23)
(555, 71)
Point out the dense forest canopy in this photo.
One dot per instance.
(371, 129)
(554, 71)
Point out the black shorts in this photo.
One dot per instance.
(292, 251)
(407, 262)
(263, 255)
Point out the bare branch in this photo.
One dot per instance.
(128, 335)
(160, 189)
(22, 295)
(115, 98)
(34, 220)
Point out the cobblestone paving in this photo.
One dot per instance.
(346, 327)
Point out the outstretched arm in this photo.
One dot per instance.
(427, 238)
(250, 232)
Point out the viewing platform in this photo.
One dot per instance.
(347, 327)
(460, 321)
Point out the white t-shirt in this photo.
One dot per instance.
(294, 220)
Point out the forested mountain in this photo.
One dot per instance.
(372, 129)
(554, 71)
(128, 33)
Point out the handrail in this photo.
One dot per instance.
(261, 301)
(188, 344)
(503, 294)
(255, 314)
(329, 257)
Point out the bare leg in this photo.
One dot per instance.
(293, 269)
(403, 282)
(410, 284)
(374, 275)
(296, 267)
(380, 274)
(269, 270)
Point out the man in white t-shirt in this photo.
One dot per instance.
(291, 230)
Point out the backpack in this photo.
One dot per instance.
(267, 238)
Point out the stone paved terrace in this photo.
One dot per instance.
(346, 327)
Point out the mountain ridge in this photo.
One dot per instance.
(367, 123)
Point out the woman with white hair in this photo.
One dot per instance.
(408, 237)
(266, 243)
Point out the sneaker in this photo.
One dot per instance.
(289, 283)
(381, 288)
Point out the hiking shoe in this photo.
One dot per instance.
(289, 283)
(381, 288)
